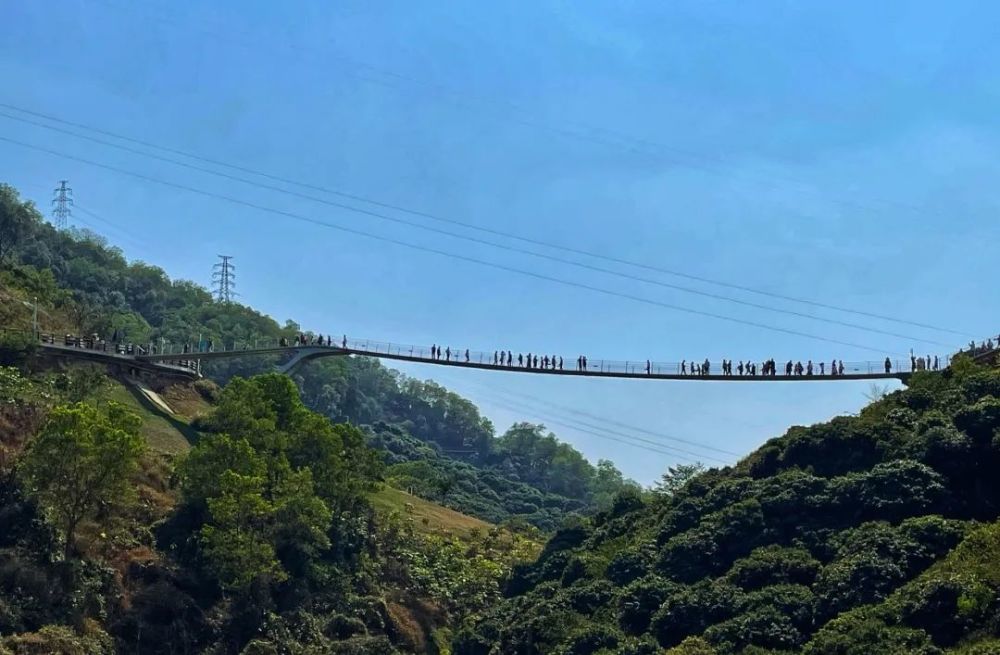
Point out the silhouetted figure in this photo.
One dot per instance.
(739, 368)
(935, 362)
(888, 365)
(584, 362)
(706, 367)
(822, 368)
(534, 362)
(809, 367)
(648, 367)
(520, 359)
(447, 353)
(466, 354)
(434, 351)
(343, 343)
(684, 369)
(496, 358)
(529, 360)
(510, 358)
(840, 368)
(560, 363)
(913, 362)
(545, 361)
(788, 367)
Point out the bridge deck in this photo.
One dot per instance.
(621, 370)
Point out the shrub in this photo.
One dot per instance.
(772, 565)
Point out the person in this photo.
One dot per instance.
(684, 369)
(888, 366)
(434, 351)
(809, 367)
(935, 362)
(913, 362)
(545, 361)
(343, 344)
(584, 359)
(822, 368)
(840, 368)
(560, 363)
(553, 360)
(447, 353)
(496, 358)
(739, 367)
(466, 354)
(534, 362)
(648, 367)
(510, 358)
(520, 359)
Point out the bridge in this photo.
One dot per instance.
(184, 360)
(298, 354)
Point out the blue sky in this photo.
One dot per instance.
(844, 154)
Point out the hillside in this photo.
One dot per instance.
(872, 533)
(84, 286)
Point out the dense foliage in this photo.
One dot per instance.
(84, 286)
(835, 538)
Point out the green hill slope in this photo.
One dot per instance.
(782, 552)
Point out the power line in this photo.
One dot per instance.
(494, 244)
(444, 253)
(580, 131)
(528, 400)
(655, 448)
(63, 201)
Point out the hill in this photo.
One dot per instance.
(873, 533)
(84, 286)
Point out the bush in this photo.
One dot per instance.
(772, 565)
(766, 627)
(859, 633)
(641, 599)
(692, 609)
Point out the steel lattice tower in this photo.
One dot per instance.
(224, 279)
(62, 200)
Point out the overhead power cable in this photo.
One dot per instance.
(590, 428)
(514, 113)
(444, 253)
(528, 401)
(494, 244)
(655, 448)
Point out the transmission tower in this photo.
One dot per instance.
(63, 200)
(224, 279)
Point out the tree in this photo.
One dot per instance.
(80, 461)
(676, 477)
(238, 542)
(16, 218)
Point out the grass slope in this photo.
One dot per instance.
(428, 517)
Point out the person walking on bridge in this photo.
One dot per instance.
(434, 350)
(495, 358)
(560, 363)
(466, 355)
(888, 366)
(510, 358)
(684, 370)
(545, 361)
(584, 359)
(520, 359)
(648, 367)
(447, 353)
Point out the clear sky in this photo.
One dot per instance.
(846, 154)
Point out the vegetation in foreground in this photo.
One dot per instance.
(874, 533)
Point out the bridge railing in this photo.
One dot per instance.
(459, 355)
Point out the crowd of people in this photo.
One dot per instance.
(530, 361)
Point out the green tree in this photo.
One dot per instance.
(16, 219)
(238, 541)
(81, 460)
(676, 477)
